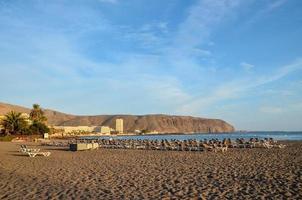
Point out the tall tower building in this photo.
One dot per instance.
(119, 125)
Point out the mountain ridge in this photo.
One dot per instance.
(152, 122)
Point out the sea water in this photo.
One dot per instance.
(246, 135)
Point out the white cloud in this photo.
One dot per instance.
(163, 26)
(168, 92)
(275, 4)
(202, 19)
(201, 52)
(270, 109)
(152, 36)
(185, 51)
(279, 92)
(269, 8)
(236, 88)
(246, 66)
(292, 106)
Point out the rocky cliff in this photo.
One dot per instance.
(159, 123)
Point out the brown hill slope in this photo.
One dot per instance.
(160, 123)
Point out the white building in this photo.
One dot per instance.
(119, 126)
(105, 130)
(70, 129)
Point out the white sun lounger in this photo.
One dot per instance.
(267, 145)
(32, 154)
(26, 150)
(281, 146)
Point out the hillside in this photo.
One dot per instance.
(160, 123)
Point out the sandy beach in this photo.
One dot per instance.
(146, 174)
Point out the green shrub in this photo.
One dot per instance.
(38, 128)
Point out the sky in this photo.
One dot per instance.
(236, 60)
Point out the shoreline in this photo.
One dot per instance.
(199, 133)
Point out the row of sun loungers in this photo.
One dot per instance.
(161, 145)
(33, 152)
(57, 143)
(214, 145)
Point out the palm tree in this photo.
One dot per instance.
(37, 114)
(38, 125)
(14, 123)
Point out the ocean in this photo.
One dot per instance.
(276, 135)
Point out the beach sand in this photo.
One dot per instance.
(141, 174)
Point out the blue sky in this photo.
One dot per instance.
(238, 60)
